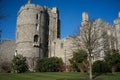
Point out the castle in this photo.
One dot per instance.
(110, 39)
(37, 27)
(38, 36)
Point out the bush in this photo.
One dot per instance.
(112, 57)
(79, 61)
(52, 64)
(19, 64)
(5, 67)
(100, 67)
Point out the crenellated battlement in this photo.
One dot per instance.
(31, 6)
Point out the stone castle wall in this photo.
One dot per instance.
(110, 37)
(63, 48)
(37, 26)
(7, 50)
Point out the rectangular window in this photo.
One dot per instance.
(37, 16)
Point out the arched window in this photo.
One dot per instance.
(37, 27)
(36, 38)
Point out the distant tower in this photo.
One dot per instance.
(117, 31)
(32, 33)
(85, 18)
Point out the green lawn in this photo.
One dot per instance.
(54, 76)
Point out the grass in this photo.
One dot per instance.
(54, 76)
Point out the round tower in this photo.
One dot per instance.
(31, 33)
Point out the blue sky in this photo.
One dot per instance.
(70, 12)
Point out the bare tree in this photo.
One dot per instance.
(89, 40)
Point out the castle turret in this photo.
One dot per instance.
(85, 18)
(32, 33)
(117, 31)
(119, 14)
(54, 26)
(28, 1)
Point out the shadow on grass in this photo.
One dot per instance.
(96, 75)
(79, 79)
(68, 79)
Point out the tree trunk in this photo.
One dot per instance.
(81, 68)
(90, 67)
(113, 69)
